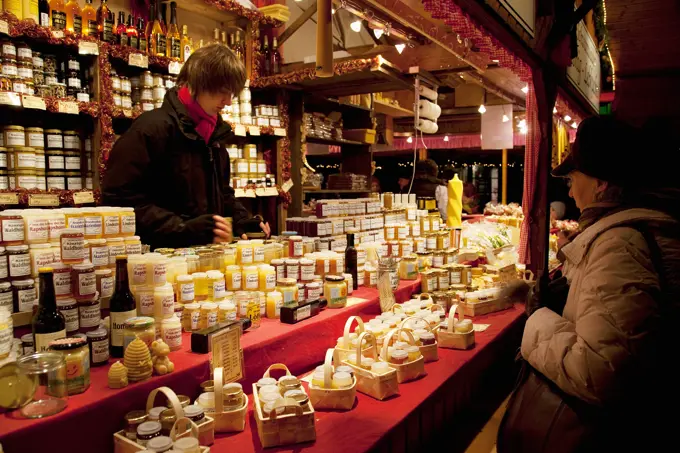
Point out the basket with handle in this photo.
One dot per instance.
(449, 338)
(407, 371)
(342, 350)
(232, 420)
(429, 351)
(183, 427)
(328, 397)
(378, 386)
(295, 424)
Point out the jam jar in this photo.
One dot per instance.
(83, 281)
(25, 70)
(24, 53)
(9, 50)
(9, 67)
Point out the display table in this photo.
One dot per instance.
(93, 416)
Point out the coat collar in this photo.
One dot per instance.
(575, 251)
(176, 109)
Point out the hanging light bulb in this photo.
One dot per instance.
(574, 124)
(332, 10)
(554, 109)
(377, 32)
(505, 118)
(409, 140)
(355, 26)
(446, 138)
(525, 90)
(481, 109)
(400, 47)
(567, 118)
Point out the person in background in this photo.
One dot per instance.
(426, 184)
(172, 166)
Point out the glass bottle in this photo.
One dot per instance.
(164, 17)
(44, 13)
(74, 17)
(89, 19)
(104, 27)
(122, 305)
(157, 44)
(223, 38)
(175, 48)
(266, 56)
(351, 265)
(131, 32)
(186, 44)
(58, 14)
(149, 26)
(121, 30)
(240, 48)
(111, 24)
(48, 323)
(142, 38)
(276, 59)
(232, 42)
(216, 36)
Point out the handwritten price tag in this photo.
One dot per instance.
(88, 48)
(280, 132)
(174, 67)
(271, 192)
(43, 200)
(67, 107)
(83, 197)
(240, 130)
(239, 193)
(4, 27)
(250, 193)
(10, 98)
(287, 185)
(139, 60)
(254, 130)
(33, 102)
(9, 198)
(261, 192)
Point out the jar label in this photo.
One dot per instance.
(425, 226)
(444, 282)
(114, 251)
(55, 141)
(160, 273)
(172, 336)
(25, 73)
(168, 305)
(26, 298)
(93, 224)
(13, 138)
(106, 289)
(212, 318)
(62, 283)
(297, 248)
(138, 273)
(19, 265)
(406, 249)
(100, 350)
(6, 301)
(5, 340)
(338, 296)
(431, 243)
(389, 233)
(289, 295)
(73, 163)
(270, 281)
(58, 182)
(10, 70)
(40, 165)
(292, 271)
(71, 319)
(58, 19)
(146, 304)
(43, 340)
(127, 223)
(87, 283)
(195, 316)
(90, 315)
(9, 49)
(437, 260)
(455, 277)
(117, 319)
(12, 230)
(187, 291)
(42, 258)
(219, 290)
(72, 248)
(38, 61)
(77, 223)
(415, 228)
(280, 271)
(313, 293)
(435, 224)
(99, 255)
(38, 229)
(82, 97)
(74, 183)
(258, 254)
(246, 255)
(373, 278)
(133, 249)
(253, 167)
(251, 281)
(73, 82)
(307, 273)
(36, 140)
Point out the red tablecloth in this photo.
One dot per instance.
(97, 413)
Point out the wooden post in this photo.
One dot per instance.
(504, 177)
(324, 39)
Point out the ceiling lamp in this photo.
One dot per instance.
(400, 47)
(525, 90)
(574, 124)
(482, 109)
(355, 26)
(409, 140)
(377, 32)
(505, 118)
(554, 109)
(567, 118)
(446, 138)
(332, 10)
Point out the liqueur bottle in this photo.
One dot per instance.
(266, 56)
(174, 41)
(58, 14)
(157, 42)
(89, 19)
(276, 58)
(104, 25)
(121, 30)
(186, 44)
(143, 44)
(131, 32)
(44, 13)
(74, 17)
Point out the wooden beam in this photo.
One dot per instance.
(337, 20)
(299, 22)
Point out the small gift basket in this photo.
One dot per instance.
(456, 333)
(328, 396)
(411, 364)
(380, 380)
(344, 347)
(230, 406)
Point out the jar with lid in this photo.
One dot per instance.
(68, 307)
(41, 256)
(72, 162)
(41, 89)
(105, 283)
(62, 279)
(4, 179)
(71, 141)
(250, 151)
(141, 327)
(40, 163)
(9, 49)
(55, 139)
(24, 295)
(89, 310)
(83, 95)
(24, 53)
(288, 289)
(25, 71)
(163, 301)
(59, 90)
(335, 291)
(14, 136)
(133, 245)
(72, 245)
(98, 342)
(6, 302)
(56, 180)
(147, 431)
(208, 315)
(9, 67)
(51, 80)
(13, 232)
(77, 356)
(19, 261)
(23, 179)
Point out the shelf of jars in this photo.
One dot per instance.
(35, 198)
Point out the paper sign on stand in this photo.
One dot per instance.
(67, 107)
(139, 60)
(83, 197)
(286, 186)
(10, 98)
(33, 102)
(279, 132)
(227, 353)
(43, 200)
(174, 67)
(240, 130)
(88, 48)
(4, 27)
(254, 130)
(9, 198)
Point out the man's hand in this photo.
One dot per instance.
(265, 229)
(222, 231)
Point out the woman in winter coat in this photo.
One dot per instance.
(611, 351)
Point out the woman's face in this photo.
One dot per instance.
(213, 103)
(584, 189)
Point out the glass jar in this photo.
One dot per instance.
(171, 332)
(90, 313)
(62, 279)
(77, 356)
(47, 371)
(14, 136)
(191, 316)
(244, 252)
(105, 283)
(226, 311)
(25, 295)
(72, 245)
(117, 248)
(18, 261)
(41, 256)
(216, 285)
(147, 431)
(163, 301)
(408, 268)
(267, 278)
(98, 341)
(288, 289)
(56, 180)
(141, 327)
(208, 316)
(55, 139)
(335, 291)
(388, 269)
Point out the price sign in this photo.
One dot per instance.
(250, 193)
(271, 192)
(227, 353)
(58, 33)
(9, 198)
(239, 193)
(83, 197)
(254, 130)
(279, 131)
(261, 192)
(10, 98)
(88, 48)
(4, 27)
(174, 67)
(43, 200)
(69, 107)
(33, 102)
(287, 185)
(139, 60)
(240, 130)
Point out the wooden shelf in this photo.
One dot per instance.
(335, 191)
(323, 104)
(391, 109)
(331, 141)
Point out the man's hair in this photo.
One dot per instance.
(212, 69)
(427, 167)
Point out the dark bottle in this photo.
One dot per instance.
(123, 307)
(142, 42)
(351, 265)
(104, 26)
(48, 323)
(174, 39)
(276, 57)
(266, 56)
(111, 23)
(131, 32)
(164, 17)
(121, 30)
(44, 13)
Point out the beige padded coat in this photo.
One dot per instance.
(611, 322)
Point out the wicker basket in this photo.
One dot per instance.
(294, 426)
(451, 339)
(378, 386)
(408, 371)
(341, 352)
(429, 351)
(227, 421)
(330, 398)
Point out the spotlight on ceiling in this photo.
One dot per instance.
(355, 26)
(400, 47)
(481, 109)
(378, 32)
(505, 118)
(409, 140)
(567, 118)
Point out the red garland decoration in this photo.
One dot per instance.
(256, 59)
(88, 108)
(253, 15)
(285, 164)
(106, 94)
(341, 68)
(29, 28)
(123, 53)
